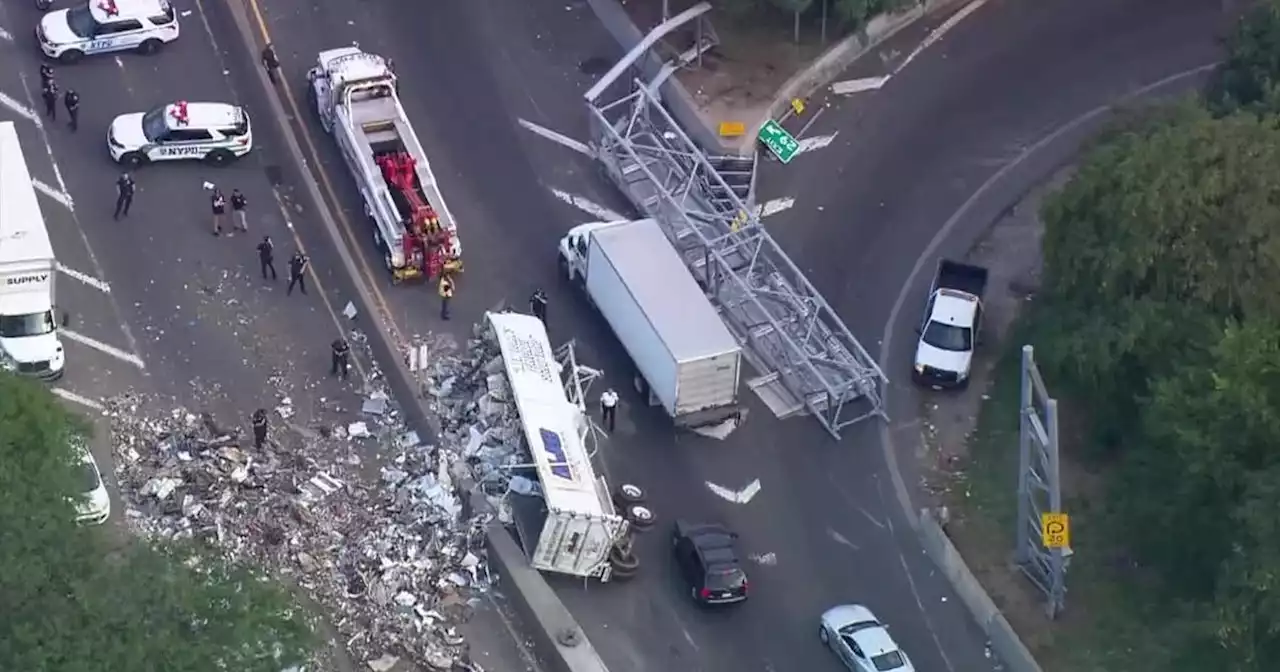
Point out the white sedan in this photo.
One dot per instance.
(94, 504)
(101, 26)
(861, 641)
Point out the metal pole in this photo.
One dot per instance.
(1057, 588)
(1025, 406)
(666, 9)
(824, 21)
(797, 28)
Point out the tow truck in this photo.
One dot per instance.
(355, 96)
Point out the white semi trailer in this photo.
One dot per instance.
(686, 360)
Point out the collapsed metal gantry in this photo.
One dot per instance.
(791, 334)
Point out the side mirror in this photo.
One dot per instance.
(64, 319)
(919, 331)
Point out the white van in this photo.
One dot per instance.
(29, 342)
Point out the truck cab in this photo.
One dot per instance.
(573, 249)
(949, 330)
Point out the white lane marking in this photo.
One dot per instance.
(556, 137)
(44, 137)
(76, 399)
(938, 33)
(928, 622)
(871, 518)
(852, 86)
(62, 197)
(100, 285)
(20, 109)
(742, 496)
(841, 539)
(103, 347)
(774, 206)
(593, 209)
(816, 142)
(5, 35)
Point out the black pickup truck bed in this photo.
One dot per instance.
(961, 277)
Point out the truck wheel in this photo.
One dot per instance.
(621, 575)
(219, 157)
(623, 559)
(70, 56)
(150, 46)
(641, 516)
(642, 386)
(628, 493)
(133, 159)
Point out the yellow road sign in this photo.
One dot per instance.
(797, 105)
(1055, 530)
(732, 129)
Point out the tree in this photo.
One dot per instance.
(70, 604)
(1249, 76)
(1164, 234)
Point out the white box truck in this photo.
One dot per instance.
(29, 343)
(686, 360)
(573, 527)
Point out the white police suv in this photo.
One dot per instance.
(100, 26)
(217, 133)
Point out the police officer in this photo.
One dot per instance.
(124, 195)
(218, 202)
(297, 272)
(446, 295)
(259, 428)
(237, 205)
(341, 359)
(267, 257)
(270, 61)
(538, 305)
(608, 408)
(46, 74)
(49, 92)
(71, 100)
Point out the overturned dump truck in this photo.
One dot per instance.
(572, 528)
(354, 93)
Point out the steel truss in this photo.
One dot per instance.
(791, 334)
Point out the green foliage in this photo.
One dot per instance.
(1249, 78)
(72, 604)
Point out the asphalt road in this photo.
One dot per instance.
(908, 155)
(190, 311)
(822, 531)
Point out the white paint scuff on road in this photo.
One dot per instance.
(841, 539)
(938, 33)
(103, 347)
(558, 138)
(774, 206)
(62, 197)
(100, 285)
(75, 398)
(852, 86)
(742, 496)
(816, 142)
(591, 208)
(19, 109)
(6, 35)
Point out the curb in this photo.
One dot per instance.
(835, 59)
(532, 596)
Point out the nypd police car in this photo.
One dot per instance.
(217, 133)
(101, 26)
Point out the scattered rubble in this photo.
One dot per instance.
(364, 515)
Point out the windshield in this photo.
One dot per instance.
(888, 661)
(154, 126)
(81, 22)
(948, 337)
(725, 579)
(35, 324)
(89, 480)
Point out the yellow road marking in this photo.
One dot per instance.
(327, 185)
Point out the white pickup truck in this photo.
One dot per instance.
(949, 330)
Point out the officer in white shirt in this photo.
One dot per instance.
(609, 408)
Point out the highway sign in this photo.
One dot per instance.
(779, 141)
(1055, 530)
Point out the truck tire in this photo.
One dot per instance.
(623, 575)
(149, 47)
(627, 494)
(641, 516)
(642, 386)
(620, 559)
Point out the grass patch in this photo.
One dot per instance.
(1116, 619)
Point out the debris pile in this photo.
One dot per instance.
(363, 515)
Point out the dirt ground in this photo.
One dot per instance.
(756, 55)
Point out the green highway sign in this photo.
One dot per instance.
(779, 141)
